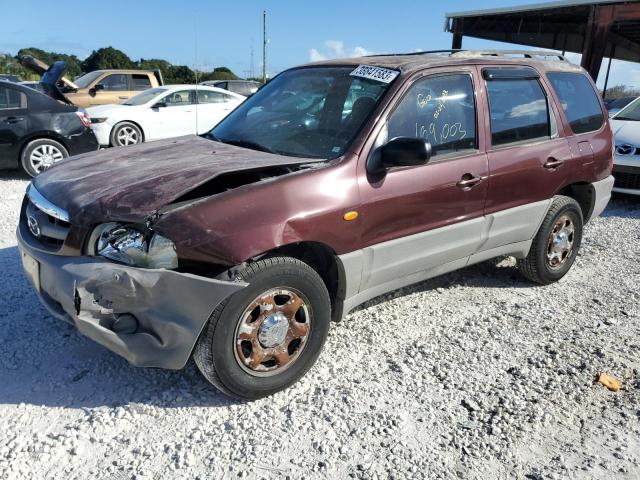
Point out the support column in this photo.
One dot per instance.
(598, 26)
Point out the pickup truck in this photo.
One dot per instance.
(101, 87)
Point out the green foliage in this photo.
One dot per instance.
(619, 91)
(110, 58)
(10, 66)
(74, 67)
(105, 59)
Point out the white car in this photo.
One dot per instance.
(162, 112)
(626, 168)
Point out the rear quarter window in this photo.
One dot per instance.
(579, 101)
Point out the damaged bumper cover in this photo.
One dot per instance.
(170, 308)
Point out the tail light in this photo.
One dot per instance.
(84, 118)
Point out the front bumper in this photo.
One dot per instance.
(171, 308)
(627, 177)
(102, 132)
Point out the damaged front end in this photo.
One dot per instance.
(151, 317)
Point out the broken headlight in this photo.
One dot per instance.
(134, 246)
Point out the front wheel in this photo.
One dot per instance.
(556, 245)
(266, 336)
(125, 133)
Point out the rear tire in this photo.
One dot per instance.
(124, 134)
(556, 245)
(224, 355)
(40, 154)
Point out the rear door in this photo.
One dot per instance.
(416, 219)
(14, 124)
(528, 159)
(212, 107)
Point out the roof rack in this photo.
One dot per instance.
(458, 53)
(510, 53)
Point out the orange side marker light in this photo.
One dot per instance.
(352, 215)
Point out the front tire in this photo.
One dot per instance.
(40, 154)
(266, 336)
(556, 245)
(124, 134)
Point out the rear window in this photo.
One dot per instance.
(579, 101)
(519, 110)
(10, 98)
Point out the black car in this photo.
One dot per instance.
(241, 87)
(37, 130)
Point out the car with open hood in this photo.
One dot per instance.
(100, 87)
(626, 129)
(336, 182)
(37, 131)
(162, 112)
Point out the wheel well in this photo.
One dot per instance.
(129, 121)
(40, 137)
(584, 194)
(324, 261)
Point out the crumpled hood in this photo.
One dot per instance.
(626, 132)
(131, 183)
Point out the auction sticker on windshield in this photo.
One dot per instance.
(379, 74)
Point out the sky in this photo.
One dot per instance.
(208, 34)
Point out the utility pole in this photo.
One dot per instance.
(264, 46)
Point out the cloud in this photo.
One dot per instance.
(336, 49)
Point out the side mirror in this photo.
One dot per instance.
(98, 86)
(159, 105)
(399, 152)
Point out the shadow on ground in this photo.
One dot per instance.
(44, 361)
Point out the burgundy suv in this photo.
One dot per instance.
(336, 182)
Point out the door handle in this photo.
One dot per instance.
(123, 98)
(468, 181)
(14, 119)
(552, 163)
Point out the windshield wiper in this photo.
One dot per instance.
(626, 118)
(248, 144)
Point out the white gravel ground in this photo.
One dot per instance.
(477, 374)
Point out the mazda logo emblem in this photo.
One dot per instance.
(625, 149)
(33, 225)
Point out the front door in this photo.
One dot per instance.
(114, 89)
(418, 219)
(176, 118)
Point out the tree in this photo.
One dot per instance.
(219, 73)
(106, 58)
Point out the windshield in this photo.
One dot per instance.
(145, 97)
(630, 112)
(85, 80)
(312, 112)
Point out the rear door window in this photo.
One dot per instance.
(441, 109)
(11, 99)
(519, 110)
(140, 82)
(206, 96)
(579, 101)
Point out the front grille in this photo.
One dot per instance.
(626, 177)
(47, 224)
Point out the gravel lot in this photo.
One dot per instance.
(476, 374)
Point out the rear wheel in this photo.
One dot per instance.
(556, 245)
(40, 154)
(266, 336)
(125, 133)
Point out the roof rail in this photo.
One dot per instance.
(483, 53)
(509, 53)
